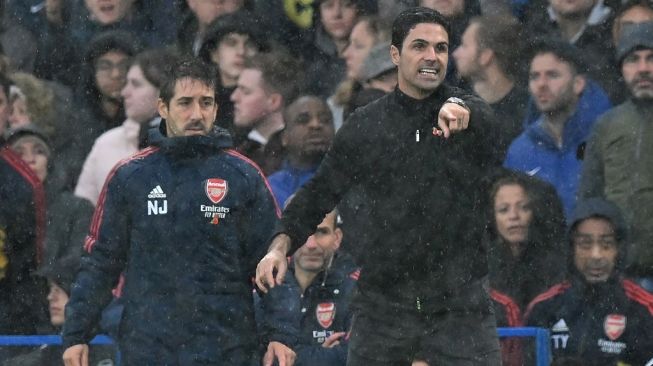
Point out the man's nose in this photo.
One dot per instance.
(430, 54)
(196, 111)
(644, 66)
(310, 242)
(314, 123)
(596, 252)
(28, 156)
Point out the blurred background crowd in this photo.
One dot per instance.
(571, 82)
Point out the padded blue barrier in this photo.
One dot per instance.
(53, 340)
(542, 342)
(38, 340)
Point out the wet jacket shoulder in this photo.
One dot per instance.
(304, 321)
(196, 198)
(602, 324)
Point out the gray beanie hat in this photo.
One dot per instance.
(634, 36)
(377, 62)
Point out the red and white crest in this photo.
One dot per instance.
(614, 325)
(216, 189)
(325, 313)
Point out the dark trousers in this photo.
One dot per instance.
(397, 339)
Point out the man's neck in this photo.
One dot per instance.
(269, 125)
(341, 44)
(415, 93)
(555, 124)
(303, 162)
(570, 26)
(304, 278)
(493, 87)
(227, 81)
(110, 106)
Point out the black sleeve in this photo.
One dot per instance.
(340, 169)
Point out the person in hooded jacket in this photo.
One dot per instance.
(22, 233)
(68, 217)
(597, 315)
(144, 79)
(185, 220)
(526, 254)
(102, 76)
(310, 312)
(334, 21)
(229, 40)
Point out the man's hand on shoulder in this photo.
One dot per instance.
(275, 260)
(453, 117)
(280, 352)
(76, 355)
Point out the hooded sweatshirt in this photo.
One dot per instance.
(601, 323)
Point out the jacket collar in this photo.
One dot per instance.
(218, 138)
(426, 106)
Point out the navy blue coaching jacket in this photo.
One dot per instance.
(186, 220)
(304, 321)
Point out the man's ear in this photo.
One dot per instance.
(485, 57)
(284, 137)
(276, 101)
(162, 107)
(338, 233)
(579, 84)
(395, 54)
(217, 110)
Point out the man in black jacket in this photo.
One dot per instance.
(597, 315)
(423, 289)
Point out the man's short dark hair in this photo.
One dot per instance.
(187, 68)
(239, 22)
(562, 50)
(409, 18)
(279, 71)
(114, 40)
(293, 102)
(502, 34)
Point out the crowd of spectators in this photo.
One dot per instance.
(570, 82)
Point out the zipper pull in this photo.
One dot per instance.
(418, 304)
(417, 136)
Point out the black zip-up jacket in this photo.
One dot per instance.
(424, 247)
